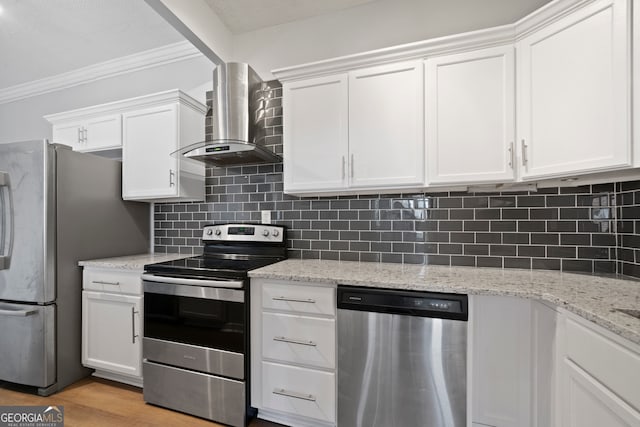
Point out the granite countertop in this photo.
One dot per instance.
(593, 297)
(130, 262)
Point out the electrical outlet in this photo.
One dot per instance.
(266, 217)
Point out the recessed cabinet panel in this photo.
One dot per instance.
(69, 134)
(470, 122)
(111, 332)
(148, 169)
(299, 391)
(574, 93)
(501, 361)
(386, 126)
(299, 339)
(103, 132)
(299, 299)
(315, 134)
(589, 404)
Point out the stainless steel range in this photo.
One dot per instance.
(196, 323)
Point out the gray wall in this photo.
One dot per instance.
(373, 25)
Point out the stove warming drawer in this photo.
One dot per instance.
(203, 359)
(203, 395)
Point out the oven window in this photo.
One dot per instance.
(203, 322)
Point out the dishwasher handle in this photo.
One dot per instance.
(411, 303)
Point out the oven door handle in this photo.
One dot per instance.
(157, 285)
(233, 284)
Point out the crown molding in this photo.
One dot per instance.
(125, 105)
(103, 70)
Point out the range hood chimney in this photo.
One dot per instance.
(238, 120)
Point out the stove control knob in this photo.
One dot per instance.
(209, 232)
(265, 233)
(218, 232)
(275, 233)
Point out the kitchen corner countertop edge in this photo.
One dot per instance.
(592, 297)
(130, 262)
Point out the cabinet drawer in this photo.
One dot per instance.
(299, 298)
(616, 367)
(299, 339)
(119, 281)
(299, 391)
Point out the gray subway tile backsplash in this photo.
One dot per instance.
(589, 228)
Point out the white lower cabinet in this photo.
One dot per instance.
(500, 361)
(300, 391)
(299, 339)
(112, 325)
(293, 352)
(511, 362)
(598, 376)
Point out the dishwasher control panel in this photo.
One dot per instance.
(415, 303)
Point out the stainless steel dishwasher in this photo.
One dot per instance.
(401, 358)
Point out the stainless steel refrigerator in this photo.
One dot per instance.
(57, 207)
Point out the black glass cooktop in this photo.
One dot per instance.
(210, 267)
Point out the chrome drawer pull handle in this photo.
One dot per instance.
(292, 341)
(101, 282)
(133, 325)
(295, 395)
(308, 300)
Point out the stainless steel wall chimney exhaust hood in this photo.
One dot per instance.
(239, 110)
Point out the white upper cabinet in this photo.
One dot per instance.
(147, 129)
(315, 134)
(574, 93)
(358, 130)
(150, 135)
(386, 126)
(546, 98)
(470, 122)
(95, 133)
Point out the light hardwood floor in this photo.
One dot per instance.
(94, 402)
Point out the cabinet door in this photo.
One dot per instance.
(315, 134)
(111, 332)
(103, 132)
(500, 361)
(574, 93)
(70, 134)
(386, 121)
(469, 117)
(587, 403)
(149, 137)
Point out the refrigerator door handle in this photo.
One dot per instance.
(6, 221)
(17, 313)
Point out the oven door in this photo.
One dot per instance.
(201, 328)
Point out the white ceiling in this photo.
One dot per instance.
(42, 38)
(247, 15)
